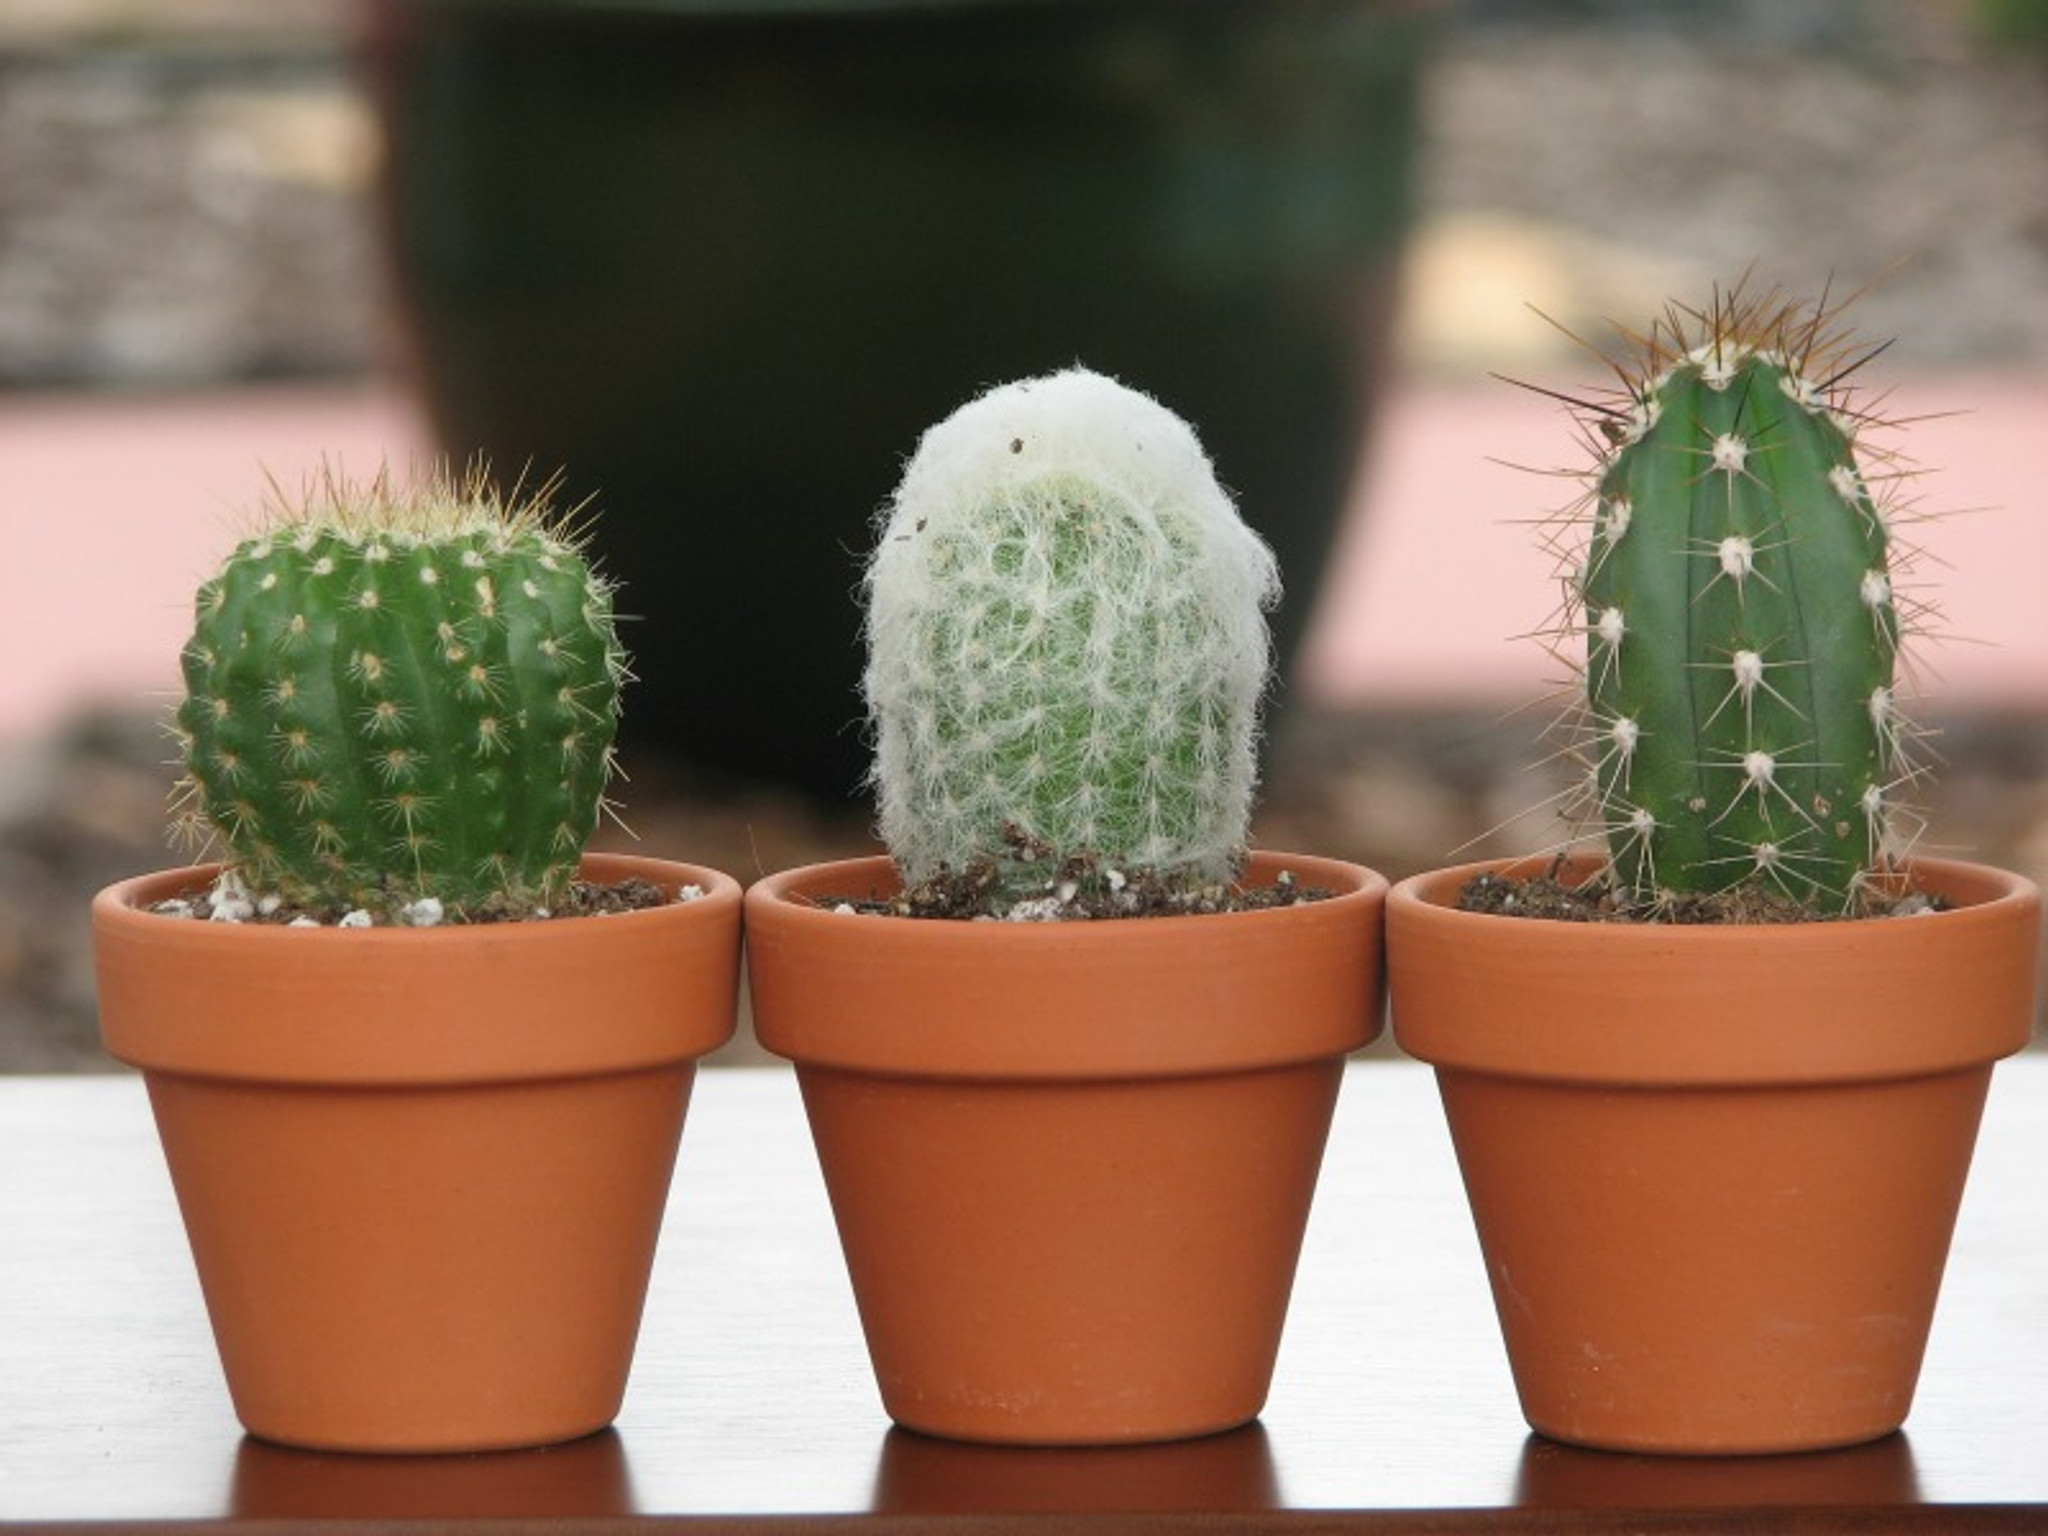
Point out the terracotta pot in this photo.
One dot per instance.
(1714, 1171)
(1071, 1163)
(422, 1171)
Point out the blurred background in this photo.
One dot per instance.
(719, 262)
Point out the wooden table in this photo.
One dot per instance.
(1392, 1407)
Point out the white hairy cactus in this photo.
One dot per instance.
(1067, 642)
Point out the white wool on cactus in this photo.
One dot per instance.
(1067, 639)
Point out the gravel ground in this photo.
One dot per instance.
(181, 204)
(183, 196)
(183, 186)
(1598, 173)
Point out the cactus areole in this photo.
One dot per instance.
(403, 693)
(1734, 597)
(1067, 645)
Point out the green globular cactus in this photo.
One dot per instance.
(400, 693)
(1740, 629)
(1067, 643)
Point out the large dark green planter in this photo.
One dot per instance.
(722, 263)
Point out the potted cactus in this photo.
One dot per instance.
(1714, 1097)
(1071, 1145)
(419, 1112)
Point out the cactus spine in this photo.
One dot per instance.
(1067, 642)
(1740, 628)
(395, 693)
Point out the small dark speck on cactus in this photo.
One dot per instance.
(402, 691)
(1734, 611)
(1067, 642)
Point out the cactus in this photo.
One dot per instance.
(1735, 603)
(1067, 644)
(398, 693)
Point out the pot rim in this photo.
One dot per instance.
(1118, 998)
(1672, 1005)
(569, 996)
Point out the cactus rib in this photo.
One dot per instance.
(403, 692)
(1067, 642)
(1735, 601)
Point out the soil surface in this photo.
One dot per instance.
(1083, 888)
(1599, 901)
(230, 902)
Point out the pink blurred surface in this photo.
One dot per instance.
(146, 493)
(1437, 569)
(113, 508)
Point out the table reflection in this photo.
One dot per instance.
(1554, 1476)
(1229, 1472)
(582, 1477)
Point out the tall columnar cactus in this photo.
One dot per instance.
(1736, 605)
(395, 693)
(1067, 642)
